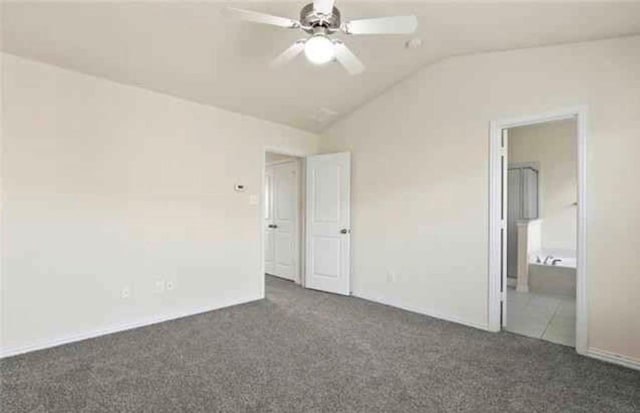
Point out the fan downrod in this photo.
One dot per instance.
(312, 21)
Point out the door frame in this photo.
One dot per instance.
(496, 295)
(300, 155)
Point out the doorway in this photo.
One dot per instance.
(541, 230)
(538, 227)
(282, 216)
(306, 220)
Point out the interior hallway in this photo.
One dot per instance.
(300, 351)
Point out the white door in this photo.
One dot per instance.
(269, 252)
(281, 224)
(504, 235)
(328, 232)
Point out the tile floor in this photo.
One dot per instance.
(547, 317)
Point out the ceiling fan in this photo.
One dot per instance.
(320, 20)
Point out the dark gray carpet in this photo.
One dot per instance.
(301, 351)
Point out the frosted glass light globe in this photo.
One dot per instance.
(319, 49)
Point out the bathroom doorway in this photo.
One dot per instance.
(537, 228)
(542, 190)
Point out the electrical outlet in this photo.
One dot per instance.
(391, 276)
(126, 293)
(160, 286)
(170, 285)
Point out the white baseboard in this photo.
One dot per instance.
(48, 343)
(434, 314)
(614, 358)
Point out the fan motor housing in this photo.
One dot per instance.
(312, 21)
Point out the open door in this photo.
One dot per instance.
(504, 211)
(269, 234)
(328, 234)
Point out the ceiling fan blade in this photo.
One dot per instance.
(351, 63)
(323, 6)
(257, 17)
(383, 25)
(288, 55)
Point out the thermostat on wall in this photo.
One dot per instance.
(239, 188)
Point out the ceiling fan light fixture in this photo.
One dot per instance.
(321, 19)
(319, 49)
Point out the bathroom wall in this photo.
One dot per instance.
(553, 146)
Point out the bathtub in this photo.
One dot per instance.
(558, 278)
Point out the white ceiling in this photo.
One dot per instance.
(192, 50)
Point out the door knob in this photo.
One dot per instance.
(345, 231)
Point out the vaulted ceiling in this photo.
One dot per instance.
(194, 51)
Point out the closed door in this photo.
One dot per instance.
(328, 223)
(281, 220)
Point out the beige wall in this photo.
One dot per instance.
(107, 186)
(420, 180)
(553, 146)
(271, 158)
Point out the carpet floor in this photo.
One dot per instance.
(306, 351)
